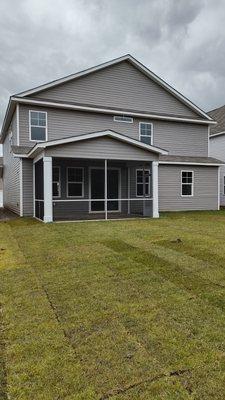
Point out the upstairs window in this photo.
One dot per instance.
(123, 118)
(75, 182)
(187, 183)
(38, 126)
(146, 132)
(142, 182)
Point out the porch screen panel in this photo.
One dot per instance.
(39, 190)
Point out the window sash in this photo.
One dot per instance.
(143, 181)
(38, 123)
(56, 182)
(78, 183)
(146, 131)
(187, 181)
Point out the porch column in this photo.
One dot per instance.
(47, 175)
(106, 190)
(155, 189)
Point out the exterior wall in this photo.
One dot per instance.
(11, 178)
(121, 85)
(27, 181)
(70, 210)
(101, 148)
(217, 150)
(178, 138)
(205, 188)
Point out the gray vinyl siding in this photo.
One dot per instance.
(205, 188)
(178, 138)
(121, 85)
(217, 150)
(101, 148)
(27, 168)
(11, 178)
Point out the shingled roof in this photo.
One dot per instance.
(219, 116)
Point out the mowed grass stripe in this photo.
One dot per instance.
(39, 360)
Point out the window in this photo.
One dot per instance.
(75, 182)
(123, 118)
(224, 185)
(146, 132)
(142, 182)
(187, 178)
(56, 187)
(38, 126)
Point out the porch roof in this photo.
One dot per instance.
(39, 147)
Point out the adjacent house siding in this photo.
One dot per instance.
(101, 148)
(28, 201)
(121, 85)
(178, 138)
(217, 150)
(11, 178)
(205, 188)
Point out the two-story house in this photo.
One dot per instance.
(112, 141)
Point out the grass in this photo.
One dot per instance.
(113, 310)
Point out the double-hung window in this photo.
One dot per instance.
(75, 182)
(56, 187)
(187, 183)
(38, 126)
(142, 182)
(146, 132)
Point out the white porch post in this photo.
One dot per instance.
(47, 174)
(106, 190)
(155, 189)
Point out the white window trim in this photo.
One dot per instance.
(59, 168)
(123, 116)
(149, 182)
(67, 183)
(46, 126)
(140, 135)
(223, 185)
(192, 184)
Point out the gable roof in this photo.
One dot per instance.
(136, 64)
(93, 135)
(218, 114)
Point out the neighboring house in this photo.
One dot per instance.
(1, 183)
(112, 141)
(217, 145)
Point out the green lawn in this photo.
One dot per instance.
(113, 310)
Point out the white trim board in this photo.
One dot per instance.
(189, 163)
(103, 110)
(216, 134)
(136, 64)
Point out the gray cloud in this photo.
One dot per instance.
(181, 41)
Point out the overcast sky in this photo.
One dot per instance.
(182, 41)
